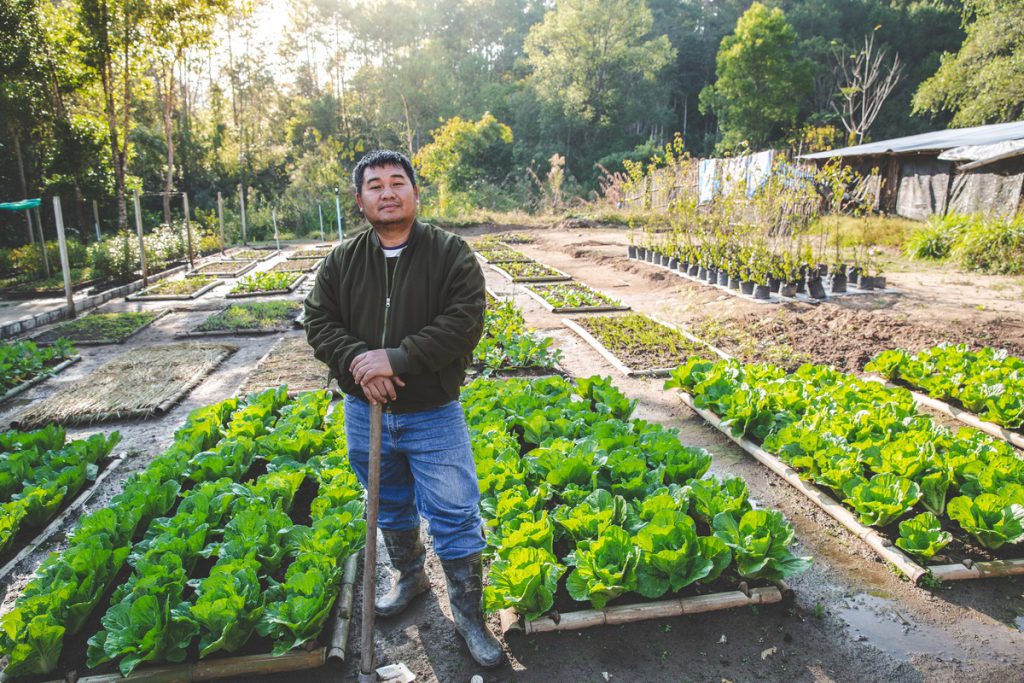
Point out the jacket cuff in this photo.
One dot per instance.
(399, 360)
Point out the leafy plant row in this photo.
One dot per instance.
(639, 341)
(270, 576)
(871, 446)
(39, 471)
(519, 269)
(182, 287)
(508, 345)
(264, 282)
(23, 361)
(501, 254)
(988, 381)
(573, 295)
(568, 479)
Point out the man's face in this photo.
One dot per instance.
(387, 196)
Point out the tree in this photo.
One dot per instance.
(594, 58)
(865, 82)
(761, 82)
(464, 153)
(982, 82)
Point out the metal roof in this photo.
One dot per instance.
(938, 140)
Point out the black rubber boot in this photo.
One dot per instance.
(465, 579)
(407, 557)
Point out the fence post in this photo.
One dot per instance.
(220, 219)
(142, 241)
(188, 229)
(273, 217)
(241, 202)
(65, 263)
(96, 219)
(320, 210)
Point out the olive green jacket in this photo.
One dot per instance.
(429, 315)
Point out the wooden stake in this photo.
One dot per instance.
(220, 219)
(65, 264)
(241, 203)
(142, 241)
(366, 655)
(188, 229)
(96, 220)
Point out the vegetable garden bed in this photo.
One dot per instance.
(296, 265)
(177, 290)
(137, 384)
(290, 362)
(23, 364)
(222, 268)
(568, 479)
(983, 389)
(251, 255)
(501, 254)
(530, 271)
(311, 252)
(637, 345)
(242, 530)
(101, 328)
(573, 297)
(253, 317)
(265, 284)
(897, 471)
(508, 348)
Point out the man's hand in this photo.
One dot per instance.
(370, 365)
(381, 389)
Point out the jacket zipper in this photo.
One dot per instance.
(388, 284)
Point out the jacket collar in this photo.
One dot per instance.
(417, 228)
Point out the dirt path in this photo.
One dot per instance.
(852, 620)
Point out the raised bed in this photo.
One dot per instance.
(239, 294)
(694, 345)
(530, 271)
(254, 317)
(312, 252)
(883, 547)
(251, 254)
(573, 297)
(229, 269)
(290, 362)
(38, 379)
(187, 289)
(89, 330)
(296, 265)
(501, 254)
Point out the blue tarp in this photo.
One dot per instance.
(23, 205)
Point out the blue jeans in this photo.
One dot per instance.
(426, 469)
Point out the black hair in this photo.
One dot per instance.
(378, 158)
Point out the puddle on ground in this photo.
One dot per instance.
(1019, 622)
(883, 624)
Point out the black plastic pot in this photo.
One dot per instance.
(650, 256)
(853, 276)
(683, 267)
(734, 282)
(866, 282)
(815, 288)
(788, 289)
(632, 251)
(673, 263)
(822, 269)
(762, 292)
(712, 275)
(801, 286)
(774, 284)
(880, 282)
(747, 287)
(702, 273)
(837, 282)
(694, 270)
(723, 278)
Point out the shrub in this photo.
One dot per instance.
(28, 259)
(116, 257)
(934, 241)
(991, 245)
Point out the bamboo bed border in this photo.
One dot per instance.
(965, 416)
(57, 522)
(249, 265)
(108, 342)
(142, 296)
(249, 665)
(628, 614)
(559, 277)
(284, 262)
(294, 253)
(271, 253)
(968, 569)
(39, 379)
(603, 308)
(486, 261)
(269, 292)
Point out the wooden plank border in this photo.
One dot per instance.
(559, 275)
(248, 265)
(270, 292)
(611, 357)
(604, 308)
(142, 296)
(109, 342)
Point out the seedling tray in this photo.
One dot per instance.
(248, 666)
(59, 521)
(38, 379)
(603, 308)
(957, 413)
(555, 275)
(968, 569)
(226, 268)
(627, 614)
(143, 296)
(269, 292)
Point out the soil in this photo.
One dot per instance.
(852, 619)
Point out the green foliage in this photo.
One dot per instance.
(990, 245)
(978, 84)
(23, 361)
(463, 154)
(526, 579)
(989, 518)
(265, 282)
(573, 295)
(760, 80)
(923, 536)
(759, 542)
(934, 242)
(100, 327)
(507, 344)
(254, 315)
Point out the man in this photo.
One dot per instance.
(395, 314)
